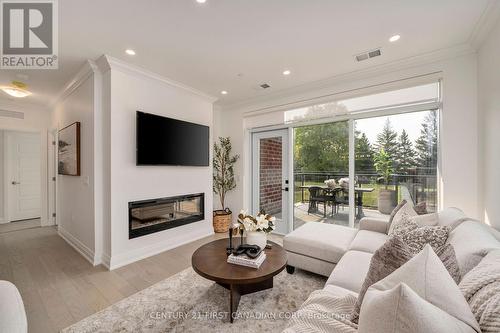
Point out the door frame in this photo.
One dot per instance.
(287, 159)
(351, 118)
(52, 178)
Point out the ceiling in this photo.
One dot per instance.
(236, 45)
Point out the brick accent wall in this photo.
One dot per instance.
(271, 175)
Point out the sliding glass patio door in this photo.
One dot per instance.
(270, 182)
(350, 159)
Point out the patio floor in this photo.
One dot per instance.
(341, 217)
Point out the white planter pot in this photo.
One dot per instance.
(256, 238)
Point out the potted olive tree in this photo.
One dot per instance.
(384, 167)
(223, 182)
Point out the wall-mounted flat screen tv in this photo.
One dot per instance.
(167, 141)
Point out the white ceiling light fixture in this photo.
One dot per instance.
(16, 89)
(223, 92)
(394, 38)
(201, 1)
(130, 52)
(287, 72)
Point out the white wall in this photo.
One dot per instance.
(132, 89)
(77, 206)
(2, 189)
(489, 127)
(459, 132)
(36, 119)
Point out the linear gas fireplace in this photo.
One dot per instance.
(149, 216)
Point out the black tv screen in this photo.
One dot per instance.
(166, 141)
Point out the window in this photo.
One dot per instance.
(395, 139)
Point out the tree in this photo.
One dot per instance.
(387, 140)
(384, 165)
(223, 181)
(322, 147)
(426, 144)
(405, 158)
(364, 153)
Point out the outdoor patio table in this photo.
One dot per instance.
(359, 195)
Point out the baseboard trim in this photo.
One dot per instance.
(106, 260)
(122, 259)
(77, 245)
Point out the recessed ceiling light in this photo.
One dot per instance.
(130, 52)
(287, 72)
(16, 89)
(394, 38)
(201, 1)
(223, 92)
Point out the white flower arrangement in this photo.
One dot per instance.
(344, 182)
(331, 183)
(260, 222)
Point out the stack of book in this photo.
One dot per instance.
(245, 260)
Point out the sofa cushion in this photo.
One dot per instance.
(327, 242)
(481, 289)
(416, 237)
(339, 291)
(394, 212)
(389, 306)
(421, 208)
(351, 270)
(374, 224)
(472, 241)
(389, 257)
(451, 216)
(368, 241)
(430, 220)
(449, 259)
(402, 310)
(406, 211)
(12, 314)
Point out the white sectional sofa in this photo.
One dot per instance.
(343, 254)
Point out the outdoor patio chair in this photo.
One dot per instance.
(318, 195)
(341, 198)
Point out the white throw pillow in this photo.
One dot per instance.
(389, 306)
(401, 310)
(472, 242)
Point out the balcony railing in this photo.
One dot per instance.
(420, 185)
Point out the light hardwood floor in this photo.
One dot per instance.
(59, 287)
(19, 225)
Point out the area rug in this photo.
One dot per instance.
(187, 302)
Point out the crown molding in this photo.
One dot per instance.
(419, 60)
(106, 63)
(486, 23)
(81, 76)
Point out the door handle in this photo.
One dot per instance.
(15, 183)
(285, 189)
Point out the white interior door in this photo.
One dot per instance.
(270, 183)
(23, 175)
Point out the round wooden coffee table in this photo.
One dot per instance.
(210, 261)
